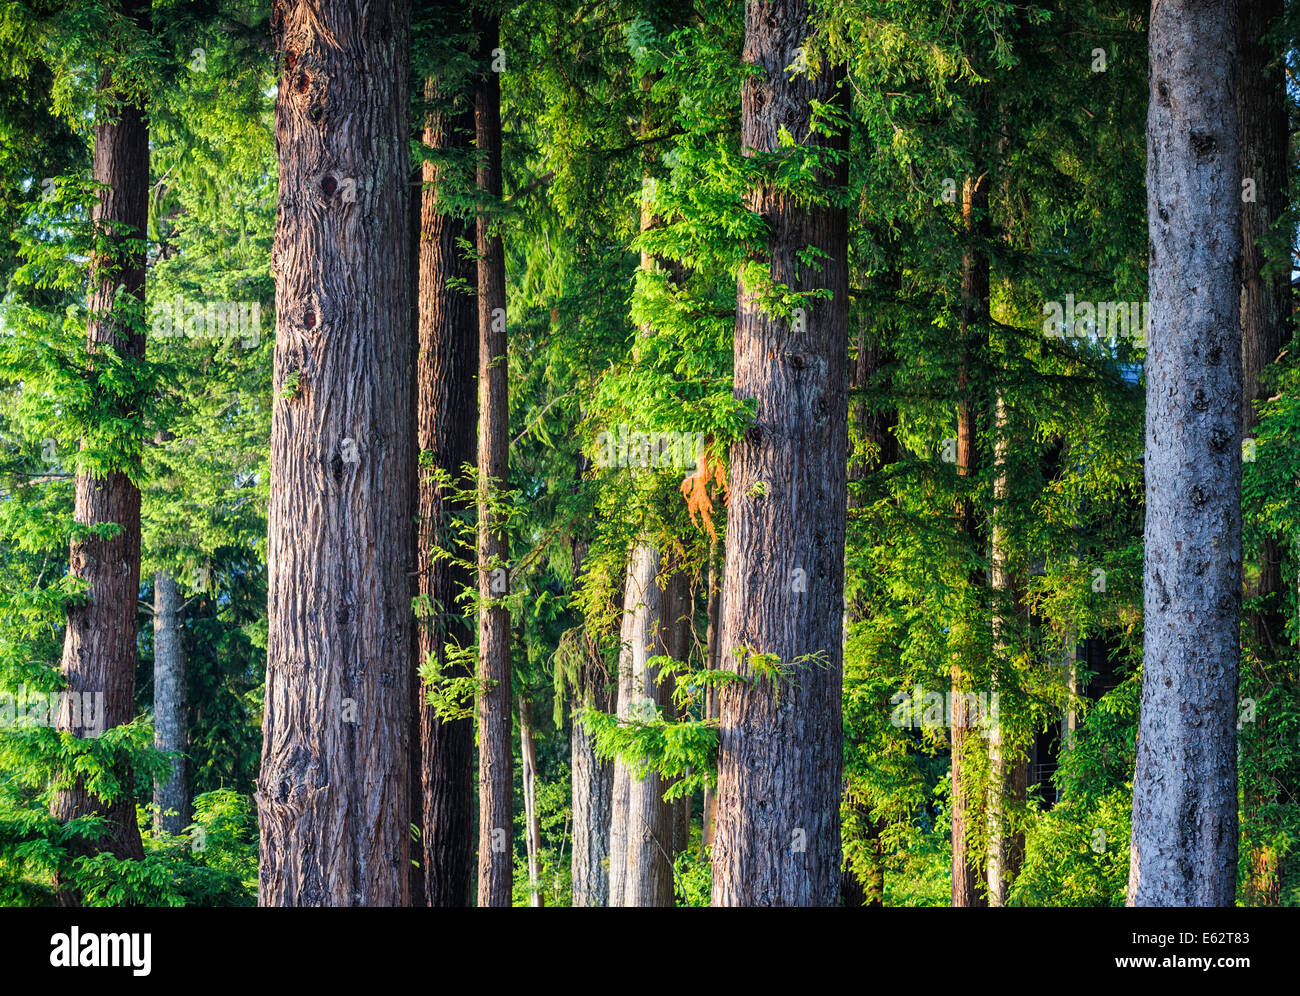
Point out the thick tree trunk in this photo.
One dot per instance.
(641, 828)
(1184, 845)
(1265, 312)
(967, 873)
(99, 648)
(777, 833)
(333, 793)
(446, 428)
(171, 796)
(495, 777)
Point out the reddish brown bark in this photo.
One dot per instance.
(777, 832)
(99, 649)
(495, 780)
(446, 429)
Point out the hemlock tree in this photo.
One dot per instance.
(333, 797)
(777, 833)
(99, 649)
(1184, 843)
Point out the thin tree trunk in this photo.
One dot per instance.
(1008, 770)
(171, 796)
(1184, 844)
(446, 430)
(592, 778)
(1265, 311)
(495, 778)
(532, 828)
(593, 788)
(99, 648)
(967, 873)
(777, 833)
(641, 828)
(333, 793)
(712, 638)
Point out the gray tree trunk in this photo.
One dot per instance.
(641, 828)
(1184, 844)
(171, 796)
(592, 778)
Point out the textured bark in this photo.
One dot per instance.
(446, 427)
(967, 873)
(641, 826)
(495, 775)
(171, 796)
(333, 793)
(1184, 845)
(777, 832)
(99, 648)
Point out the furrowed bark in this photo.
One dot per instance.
(777, 831)
(99, 648)
(333, 792)
(446, 429)
(495, 779)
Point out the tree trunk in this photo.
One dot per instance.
(679, 615)
(532, 828)
(1265, 312)
(1008, 770)
(777, 833)
(593, 788)
(1184, 845)
(495, 777)
(171, 796)
(712, 636)
(446, 428)
(99, 648)
(592, 778)
(967, 874)
(641, 829)
(333, 794)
